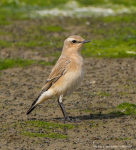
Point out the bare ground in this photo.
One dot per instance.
(108, 82)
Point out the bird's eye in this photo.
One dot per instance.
(74, 41)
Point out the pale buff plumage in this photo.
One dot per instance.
(66, 75)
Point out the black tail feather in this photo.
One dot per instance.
(33, 104)
(31, 109)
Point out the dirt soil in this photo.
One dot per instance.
(108, 82)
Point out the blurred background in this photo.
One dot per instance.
(33, 31)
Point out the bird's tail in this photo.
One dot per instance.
(33, 105)
(41, 98)
(31, 109)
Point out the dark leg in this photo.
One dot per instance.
(62, 108)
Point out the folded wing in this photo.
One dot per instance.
(59, 70)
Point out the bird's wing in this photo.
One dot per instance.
(59, 70)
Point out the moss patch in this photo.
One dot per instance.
(43, 129)
(127, 108)
(39, 129)
(120, 110)
(10, 63)
(50, 135)
(111, 36)
(118, 139)
(49, 125)
(54, 28)
(5, 43)
(53, 3)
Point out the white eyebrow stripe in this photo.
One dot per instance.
(70, 39)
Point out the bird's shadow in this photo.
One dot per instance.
(83, 117)
(93, 117)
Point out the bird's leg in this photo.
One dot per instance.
(62, 108)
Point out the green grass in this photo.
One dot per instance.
(120, 19)
(34, 128)
(10, 63)
(114, 39)
(102, 2)
(45, 29)
(50, 135)
(49, 125)
(54, 28)
(123, 138)
(124, 109)
(53, 3)
(88, 110)
(127, 108)
(40, 129)
(21, 9)
(30, 44)
(121, 93)
(118, 139)
(111, 36)
(5, 43)
(121, 110)
(111, 48)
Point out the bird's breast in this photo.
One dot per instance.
(74, 75)
(72, 78)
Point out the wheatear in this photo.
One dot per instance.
(66, 75)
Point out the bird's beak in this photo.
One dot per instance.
(86, 41)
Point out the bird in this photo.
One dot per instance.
(66, 75)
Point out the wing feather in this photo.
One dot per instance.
(59, 70)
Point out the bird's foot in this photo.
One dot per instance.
(76, 120)
(72, 120)
(67, 119)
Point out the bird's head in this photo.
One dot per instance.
(74, 44)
